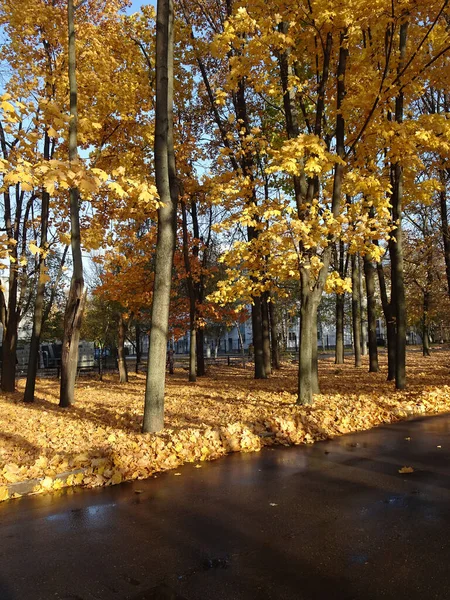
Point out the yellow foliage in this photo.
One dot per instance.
(226, 412)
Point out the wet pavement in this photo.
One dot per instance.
(335, 520)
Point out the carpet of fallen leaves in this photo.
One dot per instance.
(98, 441)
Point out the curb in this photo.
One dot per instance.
(27, 487)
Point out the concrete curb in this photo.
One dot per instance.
(25, 488)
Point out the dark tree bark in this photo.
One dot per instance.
(123, 370)
(340, 305)
(339, 351)
(167, 186)
(138, 346)
(10, 309)
(266, 334)
(201, 367)
(77, 296)
(363, 307)
(369, 272)
(427, 302)
(444, 226)
(192, 300)
(274, 335)
(396, 243)
(315, 358)
(390, 322)
(38, 317)
(356, 310)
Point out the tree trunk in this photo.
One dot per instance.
(260, 371)
(339, 351)
(138, 346)
(444, 225)
(356, 311)
(192, 299)
(77, 297)
(425, 327)
(100, 364)
(396, 244)
(305, 359)
(369, 272)
(201, 368)
(340, 305)
(9, 347)
(310, 297)
(363, 308)
(390, 322)
(40, 292)
(315, 358)
(274, 336)
(123, 370)
(167, 186)
(426, 305)
(266, 334)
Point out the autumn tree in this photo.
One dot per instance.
(166, 183)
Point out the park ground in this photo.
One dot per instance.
(97, 442)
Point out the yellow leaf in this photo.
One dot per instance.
(47, 483)
(179, 447)
(7, 106)
(11, 472)
(52, 132)
(116, 477)
(3, 493)
(406, 470)
(33, 248)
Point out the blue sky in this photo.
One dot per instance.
(136, 4)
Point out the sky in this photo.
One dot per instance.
(136, 4)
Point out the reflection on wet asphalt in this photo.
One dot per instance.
(335, 520)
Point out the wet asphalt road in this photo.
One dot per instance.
(330, 521)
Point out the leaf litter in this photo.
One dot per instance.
(97, 441)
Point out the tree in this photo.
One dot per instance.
(77, 295)
(167, 186)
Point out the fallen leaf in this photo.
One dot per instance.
(406, 470)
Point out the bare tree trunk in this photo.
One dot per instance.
(123, 370)
(266, 334)
(100, 363)
(274, 335)
(305, 379)
(445, 228)
(40, 292)
(192, 300)
(11, 320)
(390, 323)
(340, 304)
(260, 371)
(314, 357)
(138, 346)
(356, 311)
(77, 296)
(167, 186)
(396, 244)
(339, 351)
(369, 272)
(201, 368)
(426, 305)
(363, 308)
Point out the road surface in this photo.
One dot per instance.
(335, 520)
